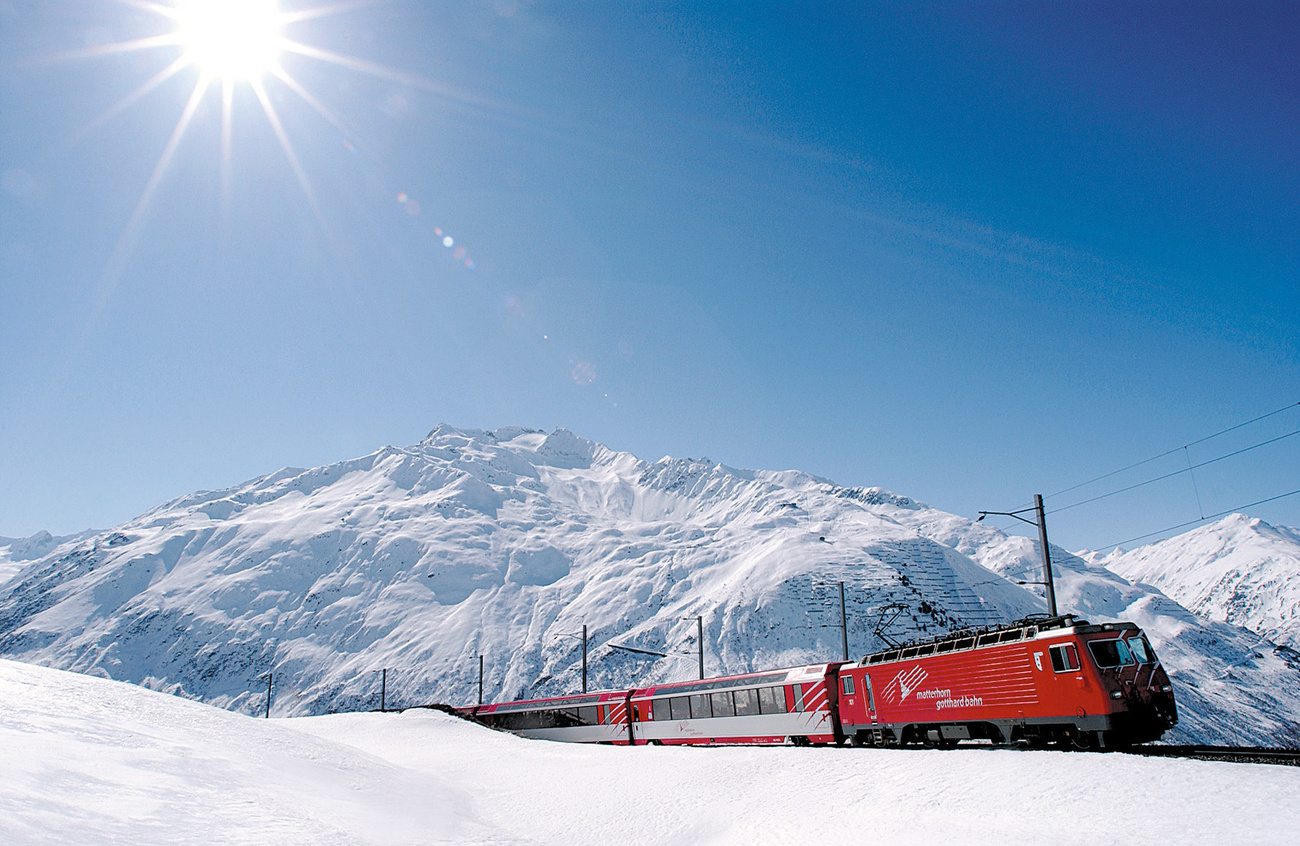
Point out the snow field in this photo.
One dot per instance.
(87, 760)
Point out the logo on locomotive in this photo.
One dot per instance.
(909, 680)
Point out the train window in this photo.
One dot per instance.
(798, 697)
(680, 707)
(722, 704)
(771, 700)
(661, 709)
(1110, 653)
(700, 706)
(871, 696)
(909, 653)
(1064, 657)
(925, 650)
(945, 647)
(986, 639)
(847, 683)
(746, 703)
(1008, 637)
(964, 643)
(588, 716)
(1141, 649)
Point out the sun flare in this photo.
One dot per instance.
(231, 39)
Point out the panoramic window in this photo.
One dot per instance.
(771, 700)
(746, 703)
(722, 704)
(661, 710)
(680, 707)
(700, 706)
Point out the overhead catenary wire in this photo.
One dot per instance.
(1201, 520)
(1174, 450)
(1188, 469)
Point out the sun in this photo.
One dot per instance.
(230, 39)
(232, 44)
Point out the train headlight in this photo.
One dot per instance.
(1166, 688)
(1117, 694)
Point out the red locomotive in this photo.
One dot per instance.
(1050, 680)
(1038, 681)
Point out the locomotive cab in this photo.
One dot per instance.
(1127, 669)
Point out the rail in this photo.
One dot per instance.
(1238, 754)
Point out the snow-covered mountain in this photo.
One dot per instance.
(507, 543)
(1239, 570)
(15, 553)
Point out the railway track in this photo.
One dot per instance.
(1238, 754)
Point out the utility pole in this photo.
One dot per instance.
(268, 695)
(1041, 523)
(584, 657)
(1047, 558)
(699, 628)
(480, 679)
(383, 689)
(844, 623)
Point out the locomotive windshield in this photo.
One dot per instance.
(1141, 650)
(1110, 653)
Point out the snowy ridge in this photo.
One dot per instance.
(1238, 570)
(506, 543)
(15, 553)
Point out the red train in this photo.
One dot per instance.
(1038, 681)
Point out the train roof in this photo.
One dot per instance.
(1028, 628)
(759, 679)
(596, 697)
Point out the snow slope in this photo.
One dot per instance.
(1238, 570)
(15, 553)
(94, 761)
(506, 543)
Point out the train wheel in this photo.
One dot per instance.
(858, 740)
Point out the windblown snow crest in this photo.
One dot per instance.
(506, 543)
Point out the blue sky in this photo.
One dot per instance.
(964, 251)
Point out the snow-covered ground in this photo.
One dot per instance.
(88, 760)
